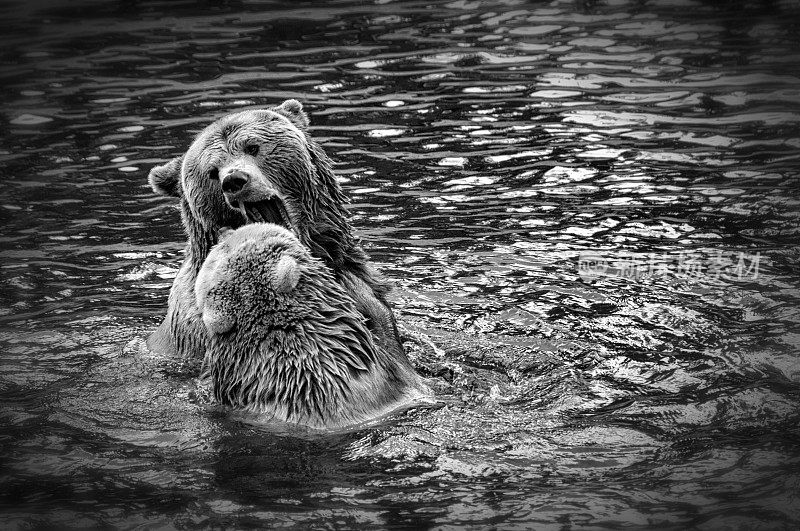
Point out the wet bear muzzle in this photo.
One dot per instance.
(234, 182)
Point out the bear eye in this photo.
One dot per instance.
(213, 174)
(251, 149)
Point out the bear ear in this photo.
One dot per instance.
(293, 110)
(166, 179)
(286, 274)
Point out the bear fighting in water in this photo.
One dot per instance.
(262, 166)
(287, 341)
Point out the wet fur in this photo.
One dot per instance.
(288, 341)
(302, 172)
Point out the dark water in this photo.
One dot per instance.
(591, 209)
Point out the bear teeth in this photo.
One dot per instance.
(255, 215)
(268, 211)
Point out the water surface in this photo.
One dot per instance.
(591, 210)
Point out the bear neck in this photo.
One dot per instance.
(329, 235)
(201, 240)
(286, 377)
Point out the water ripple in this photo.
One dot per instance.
(589, 211)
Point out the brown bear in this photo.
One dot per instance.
(256, 166)
(286, 339)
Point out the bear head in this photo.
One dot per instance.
(251, 276)
(260, 166)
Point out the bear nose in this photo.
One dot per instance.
(234, 181)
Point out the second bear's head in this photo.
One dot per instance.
(256, 166)
(252, 274)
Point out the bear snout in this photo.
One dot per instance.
(245, 183)
(234, 181)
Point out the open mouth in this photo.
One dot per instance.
(270, 210)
